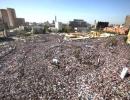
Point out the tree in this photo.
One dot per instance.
(66, 29)
(46, 29)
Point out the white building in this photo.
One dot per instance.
(58, 25)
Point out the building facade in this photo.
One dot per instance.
(58, 25)
(102, 25)
(79, 25)
(20, 21)
(1, 24)
(4, 18)
(116, 29)
(12, 17)
(8, 19)
(127, 21)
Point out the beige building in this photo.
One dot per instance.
(20, 21)
(1, 24)
(127, 21)
(4, 17)
(8, 18)
(12, 17)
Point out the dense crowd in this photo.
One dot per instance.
(46, 67)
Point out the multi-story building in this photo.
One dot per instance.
(12, 17)
(116, 29)
(20, 21)
(102, 25)
(79, 25)
(1, 24)
(4, 17)
(127, 21)
(8, 19)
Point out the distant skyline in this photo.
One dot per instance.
(113, 11)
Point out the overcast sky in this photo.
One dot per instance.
(113, 11)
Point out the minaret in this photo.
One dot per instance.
(55, 19)
(56, 23)
(95, 24)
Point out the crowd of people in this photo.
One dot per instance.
(47, 67)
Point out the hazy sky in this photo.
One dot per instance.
(113, 11)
